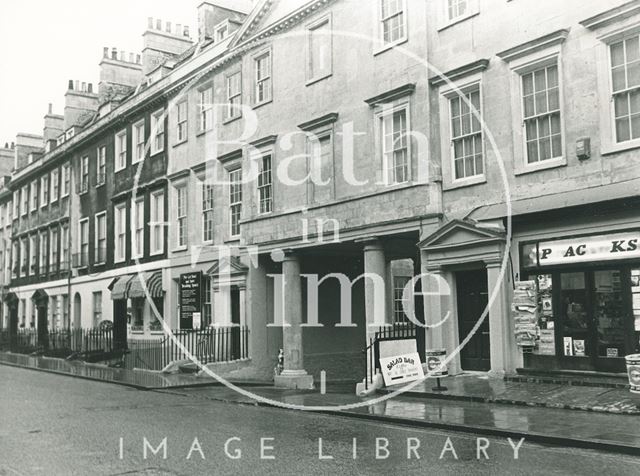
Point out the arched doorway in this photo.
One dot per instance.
(77, 311)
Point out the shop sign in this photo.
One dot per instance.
(615, 246)
(524, 311)
(401, 368)
(190, 298)
(436, 365)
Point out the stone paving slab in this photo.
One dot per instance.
(547, 425)
(480, 388)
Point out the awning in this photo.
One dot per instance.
(153, 282)
(120, 288)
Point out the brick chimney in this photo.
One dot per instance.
(163, 40)
(27, 146)
(119, 72)
(212, 13)
(53, 125)
(79, 101)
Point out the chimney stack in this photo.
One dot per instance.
(162, 43)
(78, 102)
(210, 15)
(118, 74)
(53, 125)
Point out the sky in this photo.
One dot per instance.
(45, 43)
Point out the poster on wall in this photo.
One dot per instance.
(524, 311)
(190, 298)
(547, 342)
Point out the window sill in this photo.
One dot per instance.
(610, 148)
(119, 261)
(98, 185)
(233, 239)
(134, 162)
(153, 153)
(263, 103)
(318, 79)
(201, 133)
(455, 21)
(229, 120)
(465, 182)
(183, 141)
(156, 253)
(179, 249)
(539, 166)
(119, 170)
(53, 202)
(389, 46)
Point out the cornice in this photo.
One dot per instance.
(392, 95)
(613, 15)
(319, 121)
(524, 49)
(458, 73)
(264, 141)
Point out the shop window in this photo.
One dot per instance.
(156, 324)
(137, 314)
(573, 305)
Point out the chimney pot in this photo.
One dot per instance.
(90, 85)
(114, 53)
(70, 86)
(150, 23)
(50, 108)
(158, 24)
(13, 145)
(105, 52)
(186, 30)
(130, 57)
(84, 87)
(178, 29)
(77, 85)
(138, 59)
(121, 55)
(167, 27)
(6, 145)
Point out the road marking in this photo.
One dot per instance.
(323, 382)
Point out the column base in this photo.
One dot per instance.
(296, 379)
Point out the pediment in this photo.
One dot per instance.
(460, 233)
(231, 266)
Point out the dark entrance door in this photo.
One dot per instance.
(235, 324)
(120, 324)
(471, 287)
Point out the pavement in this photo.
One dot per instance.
(55, 425)
(473, 404)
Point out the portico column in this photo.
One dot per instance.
(499, 329)
(439, 311)
(375, 286)
(293, 375)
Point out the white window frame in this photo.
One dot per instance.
(263, 79)
(234, 98)
(24, 200)
(44, 190)
(527, 64)
(96, 310)
(182, 216)
(23, 258)
(120, 150)
(137, 228)
(268, 208)
(445, 20)
(16, 204)
(223, 25)
(32, 265)
(205, 109)
(84, 178)
(389, 110)
(157, 132)
(315, 140)
(611, 34)
(66, 180)
(53, 249)
(33, 192)
(233, 203)
(208, 210)
(381, 44)
(65, 257)
(138, 151)
(447, 93)
(43, 247)
(81, 243)
(156, 222)
(120, 231)
(96, 248)
(55, 185)
(182, 122)
(101, 163)
(312, 76)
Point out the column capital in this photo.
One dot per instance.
(372, 243)
(290, 254)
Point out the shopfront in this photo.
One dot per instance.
(588, 296)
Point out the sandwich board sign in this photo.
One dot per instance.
(401, 368)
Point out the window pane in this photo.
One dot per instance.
(622, 129)
(632, 49)
(635, 126)
(554, 99)
(621, 105)
(529, 109)
(619, 80)
(633, 74)
(552, 77)
(532, 151)
(545, 149)
(527, 84)
(617, 54)
(541, 103)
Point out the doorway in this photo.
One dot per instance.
(472, 293)
(235, 323)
